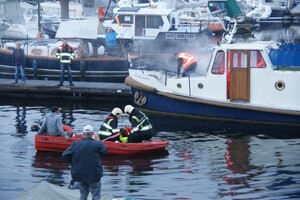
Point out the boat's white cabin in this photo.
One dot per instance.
(240, 73)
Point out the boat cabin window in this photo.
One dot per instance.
(154, 22)
(239, 60)
(123, 19)
(143, 1)
(256, 60)
(218, 65)
(217, 6)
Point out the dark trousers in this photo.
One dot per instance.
(64, 66)
(140, 136)
(94, 188)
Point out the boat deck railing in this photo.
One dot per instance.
(174, 74)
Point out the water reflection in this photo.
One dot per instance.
(21, 128)
(135, 164)
(247, 158)
(211, 159)
(49, 167)
(167, 123)
(238, 158)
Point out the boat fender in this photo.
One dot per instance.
(36, 125)
(82, 68)
(67, 128)
(34, 68)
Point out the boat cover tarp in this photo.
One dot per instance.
(80, 29)
(48, 191)
(286, 56)
(231, 7)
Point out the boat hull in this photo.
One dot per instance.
(102, 69)
(59, 144)
(195, 108)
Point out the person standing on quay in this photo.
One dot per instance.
(19, 61)
(65, 54)
(85, 157)
(111, 42)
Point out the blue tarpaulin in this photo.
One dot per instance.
(288, 55)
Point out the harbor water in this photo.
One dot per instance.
(209, 163)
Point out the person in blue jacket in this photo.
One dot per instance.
(86, 168)
(111, 42)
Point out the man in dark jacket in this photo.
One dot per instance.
(85, 157)
(18, 61)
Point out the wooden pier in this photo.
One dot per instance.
(48, 89)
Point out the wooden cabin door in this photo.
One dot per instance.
(140, 23)
(239, 75)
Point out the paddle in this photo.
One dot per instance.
(128, 129)
(111, 137)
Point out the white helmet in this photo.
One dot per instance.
(88, 129)
(117, 112)
(128, 109)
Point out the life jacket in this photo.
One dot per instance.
(123, 139)
(109, 126)
(142, 122)
(188, 59)
(65, 54)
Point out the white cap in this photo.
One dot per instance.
(128, 109)
(117, 112)
(88, 129)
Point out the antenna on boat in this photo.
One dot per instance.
(229, 31)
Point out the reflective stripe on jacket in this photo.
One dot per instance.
(139, 121)
(123, 139)
(188, 59)
(65, 54)
(109, 126)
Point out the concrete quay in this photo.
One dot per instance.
(47, 89)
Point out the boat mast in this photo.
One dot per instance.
(107, 9)
(39, 15)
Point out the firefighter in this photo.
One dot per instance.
(140, 124)
(109, 128)
(65, 54)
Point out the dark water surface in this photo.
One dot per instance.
(197, 165)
